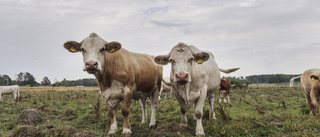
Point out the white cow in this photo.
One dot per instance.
(14, 89)
(194, 77)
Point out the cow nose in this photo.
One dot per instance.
(91, 64)
(182, 77)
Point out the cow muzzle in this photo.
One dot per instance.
(91, 67)
(182, 78)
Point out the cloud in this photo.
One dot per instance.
(258, 36)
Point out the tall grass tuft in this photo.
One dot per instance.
(223, 113)
(97, 107)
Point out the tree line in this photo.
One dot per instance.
(243, 82)
(88, 82)
(271, 78)
(24, 79)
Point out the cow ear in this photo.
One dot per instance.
(72, 46)
(201, 57)
(113, 47)
(161, 60)
(314, 78)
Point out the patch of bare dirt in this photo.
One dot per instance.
(26, 131)
(172, 128)
(67, 131)
(30, 116)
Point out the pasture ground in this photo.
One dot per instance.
(260, 110)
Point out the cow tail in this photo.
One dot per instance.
(292, 80)
(227, 71)
(166, 82)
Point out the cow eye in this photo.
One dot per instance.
(171, 61)
(83, 50)
(191, 59)
(102, 50)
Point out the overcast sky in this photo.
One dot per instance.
(259, 36)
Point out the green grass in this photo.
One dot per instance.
(81, 111)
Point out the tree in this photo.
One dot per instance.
(64, 82)
(29, 79)
(7, 80)
(1, 80)
(45, 81)
(19, 78)
(25, 79)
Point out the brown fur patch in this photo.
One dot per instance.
(72, 44)
(113, 46)
(225, 85)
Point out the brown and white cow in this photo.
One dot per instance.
(311, 87)
(224, 90)
(194, 77)
(14, 89)
(122, 75)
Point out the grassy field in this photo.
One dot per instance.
(260, 110)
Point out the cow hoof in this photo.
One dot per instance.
(153, 126)
(200, 133)
(183, 125)
(111, 134)
(126, 132)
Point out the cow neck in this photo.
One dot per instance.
(113, 66)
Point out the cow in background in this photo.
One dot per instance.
(122, 76)
(167, 89)
(224, 90)
(311, 87)
(194, 77)
(14, 89)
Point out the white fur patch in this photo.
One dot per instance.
(113, 127)
(114, 94)
(126, 131)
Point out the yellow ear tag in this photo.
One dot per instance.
(313, 79)
(161, 61)
(199, 61)
(73, 49)
(112, 50)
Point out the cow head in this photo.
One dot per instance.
(93, 49)
(181, 58)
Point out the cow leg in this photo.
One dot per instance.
(125, 111)
(154, 101)
(220, 96)
(160, 94)
(113, 113)
(183, 109)
(198, 112)
(228, 99)
(314, 100)
(15, 94)
(211, 112)
(144, 110)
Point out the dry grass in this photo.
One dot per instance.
(56, 89)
